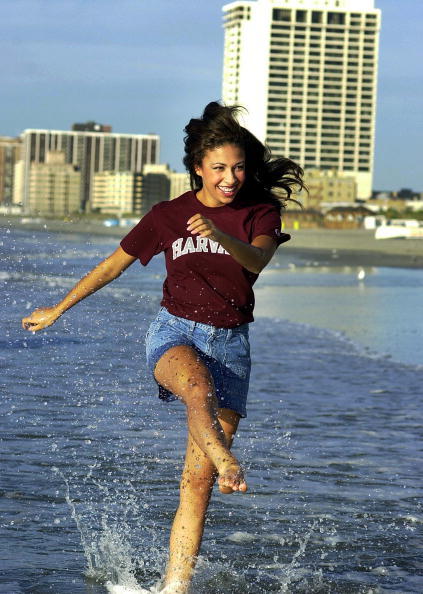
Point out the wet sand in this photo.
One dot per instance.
(356, 247)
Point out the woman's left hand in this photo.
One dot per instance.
(199, 225)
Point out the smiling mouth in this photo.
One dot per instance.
(228, 190)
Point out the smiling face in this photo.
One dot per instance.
(223, 173)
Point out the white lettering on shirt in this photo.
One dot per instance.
(202, 243)
(213, 246)
(177, 248)
(188, 245)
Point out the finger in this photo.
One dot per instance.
(31, 327)
(203, 231)
(208, 233)
(194, 218)
(200, 222)
(195, 224)
(26, 323)
(199, 225)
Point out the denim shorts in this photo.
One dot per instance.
(224, 351)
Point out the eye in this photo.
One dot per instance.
(218, 168)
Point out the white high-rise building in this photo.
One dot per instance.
(306, 71)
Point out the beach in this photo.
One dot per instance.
(92, 458)
(344, 247)
(354, 247)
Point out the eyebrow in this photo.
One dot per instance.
(219, 163)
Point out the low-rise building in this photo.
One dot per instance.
(117, 192)
(155, 185)
(179, 184)
(384, 203)
(327, 188)
(346, 217)
(54, 186)
(91, 148)
(10, 154)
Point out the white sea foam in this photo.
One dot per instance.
(380, 570)
(242, 537)
(247, 538)
(412, 519)
(120, 589)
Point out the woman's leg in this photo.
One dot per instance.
(181, 371)
(196, 486)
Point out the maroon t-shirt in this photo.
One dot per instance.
(204, 283)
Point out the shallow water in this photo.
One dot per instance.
(332, 443)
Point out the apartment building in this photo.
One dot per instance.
(306, 71)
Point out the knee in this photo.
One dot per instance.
(196, 389)
(197, 379)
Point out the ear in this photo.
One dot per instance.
(197, 170)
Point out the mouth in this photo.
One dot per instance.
(228, 191)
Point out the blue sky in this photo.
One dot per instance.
(149, 65)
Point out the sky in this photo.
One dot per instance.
(150, 65)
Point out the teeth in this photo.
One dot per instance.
(227, 190)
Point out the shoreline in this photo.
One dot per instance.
(326, 247)
(357, 247)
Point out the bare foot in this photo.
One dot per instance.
(231, 478)
(177, 587)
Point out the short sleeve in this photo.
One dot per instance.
(267, 221)
(143, 241)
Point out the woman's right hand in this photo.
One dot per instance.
(40, 318)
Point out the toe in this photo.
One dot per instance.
(225, 490)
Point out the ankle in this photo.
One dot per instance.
(175, 587)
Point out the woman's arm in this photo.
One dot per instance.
(98, 277)
(252, 256)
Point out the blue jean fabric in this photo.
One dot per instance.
(225, 352)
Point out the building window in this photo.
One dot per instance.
(281, 15)
(301, 16)
(316, 17)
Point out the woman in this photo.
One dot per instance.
(216, 239)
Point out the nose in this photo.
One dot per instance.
(230, 177)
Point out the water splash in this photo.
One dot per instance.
(290, 572)
(108, 550)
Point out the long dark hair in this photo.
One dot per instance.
(267, 180)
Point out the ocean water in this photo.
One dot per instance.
(332, 444)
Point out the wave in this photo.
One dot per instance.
(328, 340)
